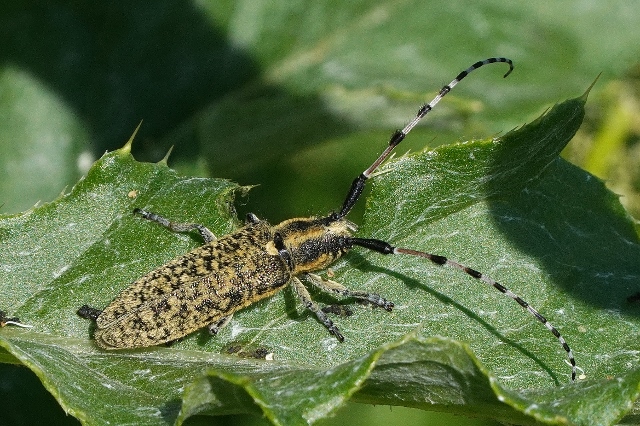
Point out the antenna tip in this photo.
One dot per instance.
(510, 69)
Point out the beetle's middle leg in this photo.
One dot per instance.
(215, 326)
(305, 298)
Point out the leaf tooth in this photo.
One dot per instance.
(126, 149)
(165, 160)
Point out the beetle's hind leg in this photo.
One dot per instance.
(87, 312)
(206, 234)
(330, 286)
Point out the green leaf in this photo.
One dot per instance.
(332, 69)
(506, 206)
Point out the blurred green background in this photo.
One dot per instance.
(297, 97)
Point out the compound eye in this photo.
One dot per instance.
(278, 241)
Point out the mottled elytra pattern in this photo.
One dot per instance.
(195, 290)
(207, 285)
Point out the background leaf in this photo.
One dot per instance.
(315, 88)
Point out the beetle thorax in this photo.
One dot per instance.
(315, 243)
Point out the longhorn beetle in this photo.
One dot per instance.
(207, 285)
